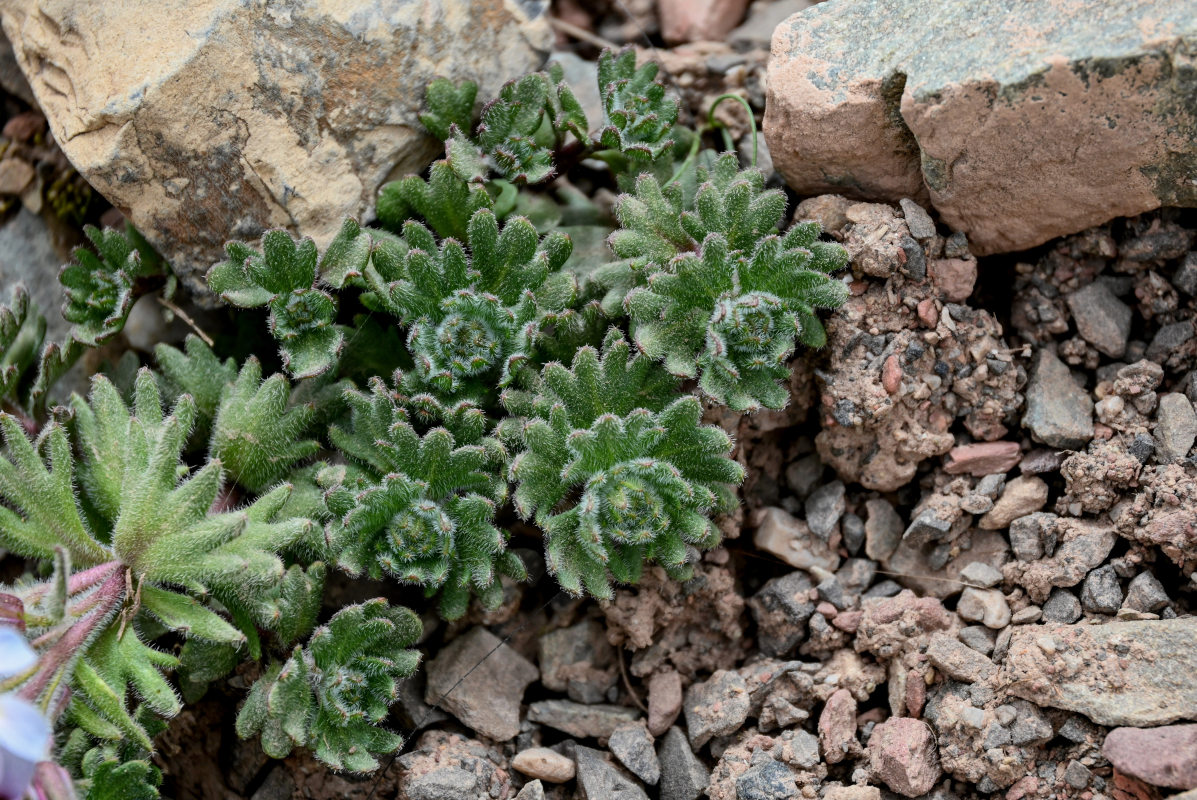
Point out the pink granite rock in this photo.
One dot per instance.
(902, 755)
(1017, 129)
(1160, 756)
(837, 726)
(982, 458)
(664, 701)
(954, 277)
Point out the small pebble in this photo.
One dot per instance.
(1062, 606)
(545, 764)
(982, 575)
(1025, 616)
(987, 606)
(1101, 592)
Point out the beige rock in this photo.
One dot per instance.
(790, 539)
(1017, 129)
(1023, 495)
(205, 120)
(545, 764)
(15, 175)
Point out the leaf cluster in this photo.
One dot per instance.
(332, 694)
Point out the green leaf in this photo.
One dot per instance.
(257, 433)
(449, 105)
(187, 616)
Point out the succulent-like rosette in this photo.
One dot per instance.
(284, 277)
(333, 694)
(474, 314)
(615, 468)
(731, 318)
(420, 508)
(638, 115)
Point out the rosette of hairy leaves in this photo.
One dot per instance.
(731, 317)
(332, 694)
(449, 105)
(616, 469)
(656, 223)
(112, 770)
(510, 132)
(145, 552)
(420, 508)
(638, 116)
(101, 287)
(283, 278)
(257, 432)
(445, 200)
(475, 315)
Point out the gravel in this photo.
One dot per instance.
(598, 779)
(1102, 319)
(1062, 606)
(1059, 412)
(781, 610)
(1145, 593)
(544, 764)
(824, 508)
(487, 699)
(716, 707)
(596, 721)
(957, 660)
(902, 754)
(1101, 592)
(683, 775)
(632, 744)
(982, 575)
(987, 606)
(883, 529)
(1176, 426)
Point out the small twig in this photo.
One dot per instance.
(181, 314)
(627, 684)
(581, 34)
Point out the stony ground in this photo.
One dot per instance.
(964, 564)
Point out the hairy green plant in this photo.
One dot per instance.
(136, 552)
(421, 508)
(21, 332)
(714, 291)
(615, 468)
(283, 278)
(331, 694)
(256, 433)
(212, 523)
(101, 287)
(474, 316)
(524, 135)
(638, 116)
